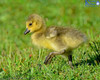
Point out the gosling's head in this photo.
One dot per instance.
(34, 23)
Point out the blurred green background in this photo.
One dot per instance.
(15, 47)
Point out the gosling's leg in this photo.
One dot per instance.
(70, 61)
(51, 55)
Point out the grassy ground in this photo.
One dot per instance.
(19, 59)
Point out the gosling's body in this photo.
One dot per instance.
(63, 38)
(60, 39)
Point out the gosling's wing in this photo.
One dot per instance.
(51, 32)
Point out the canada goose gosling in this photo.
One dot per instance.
(62, 40)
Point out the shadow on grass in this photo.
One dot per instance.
(93, 59)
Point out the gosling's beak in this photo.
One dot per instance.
(26, 31)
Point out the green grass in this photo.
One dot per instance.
(16, 48)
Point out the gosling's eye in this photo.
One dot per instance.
(30, 24)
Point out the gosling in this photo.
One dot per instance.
(62, 40)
